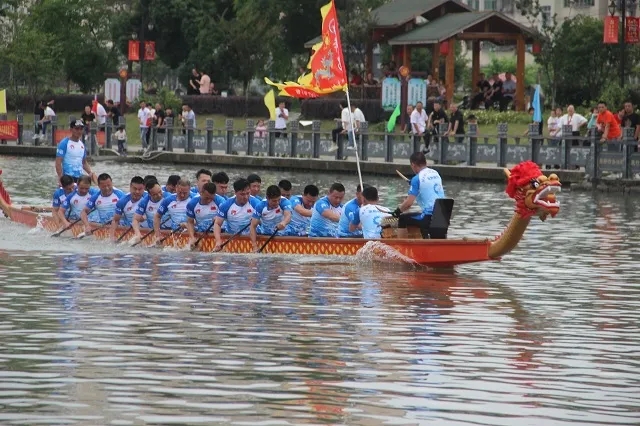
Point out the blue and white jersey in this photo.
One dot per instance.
(237, 216)
(348, 216)
(426, 186)
(58, 197)
(256, 198)
(165, 192)
(73, 154)
(126, 208)
(370, 218)
(74, 203)
(194, 191)
(299, 225)
(148, 209)
(319, 225)
(204, 214)
(177, 210)
(105, 206)
(270, 218)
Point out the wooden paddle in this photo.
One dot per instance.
(144, 237)
(57, 234)
(175, 231)
(403, 176)
(124, 233)
(234, 235)
(195, 245)
(84, 234)
(269, 239)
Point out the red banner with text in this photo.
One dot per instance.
(134, 50)
(9, 130)
(631, 33)
(611, 25)
(149, 50)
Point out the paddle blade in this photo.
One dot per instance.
(3, 192)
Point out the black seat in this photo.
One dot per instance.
(441, 218)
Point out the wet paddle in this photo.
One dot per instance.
(124, 234)
(175, 231)
(195, 245)
(233, 236)
(269, 239)
(403, 176)
(57, 234)
(84, 234)
(144, 237)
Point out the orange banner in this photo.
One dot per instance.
(611, 26)
(9, 130)
(631, 33)
(134, 50)
(149, 50)
(65, 133)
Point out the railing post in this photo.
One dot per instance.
(364, 141)
(294, 129)
(596, 148)
(209, 149)
(108, 132)
(416, 141)
(36, 132)
(627, 149)
(20, 119)
(168, 141)
(534, 143)
(443, 145)
(190, 147)
(271, 134)
(472, 144)
(565, 150)
(503, 128)
(388, 143)
(315, 128)
(153, 137)
(228, 128)
(251, 129)
(340, 140)
(54, 126)
(95, 148)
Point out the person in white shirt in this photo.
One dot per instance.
(419, 120)
(49, 113)
(552, 125)
(576, 121)
(282, 115)
(187, 114)
(101, 115)
(144, 118)
(508, 91)
(358, 118)
(121, 137)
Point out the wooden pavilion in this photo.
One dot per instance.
(399, 24)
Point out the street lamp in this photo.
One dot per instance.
(623, 6)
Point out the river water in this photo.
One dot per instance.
(97, 334)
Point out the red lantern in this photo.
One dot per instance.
(536, 48)
(444, 48)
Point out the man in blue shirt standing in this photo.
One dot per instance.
(71, 155)
(426, 188)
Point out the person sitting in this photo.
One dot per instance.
(326, 213)
(272, 214)
(369, 215)
(426, 188)
(483, 86)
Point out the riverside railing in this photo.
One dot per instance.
(475, 148)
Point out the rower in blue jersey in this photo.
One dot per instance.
(146, 210)
(104, 202)
(75, 202)
(254, 185)
(170, 187)
(127, 205)
(426, 188)
(71, 155)
(326, 213)
(175, 206)
(301, 211)
(271, 215)
(203, 210)
(370, 215)
(285, 188)
(234, 215)
(221, 179)
(349, 213)
(67, 186)
(203, 176)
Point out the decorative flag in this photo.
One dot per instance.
(611, 24)
(391, 125)
(632, 35)
(270, 103)
(134, 50)
(537, 108)
(3, 101)
(328, 71)
(149, 50)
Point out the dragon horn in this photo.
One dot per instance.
(507, 172)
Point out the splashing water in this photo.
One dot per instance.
(380, 252)
(39, 225)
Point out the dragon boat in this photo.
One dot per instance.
(533, 192)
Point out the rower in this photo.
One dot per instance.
(127, 205)
(301, 206)
(221, 179)
(202, 210)
(71, 156)
(254, 185)
(271, 214)
(285, 188)
(170, 186)
(326, 213)
(67, 186)
(75, 202)
(149, 178)
(203, 176)
(146, 210)
(235, 213)
(104, 202)
(348, 216)
(369, 214)
(426, 188)
(176, 207)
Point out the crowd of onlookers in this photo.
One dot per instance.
(200, 84)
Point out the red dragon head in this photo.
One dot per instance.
(535, 193)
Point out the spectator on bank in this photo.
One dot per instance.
(113, 112)
(338, 130)
(631, 119)
(261, 130)
(282, 115)
(552, 125)
(592, 125)
(187, 114)
(357, 117)
(407, 128)
(356, 80)
(49, 113)
(212, 89)
(419, 124)
(158, 118)
(38, 111)
(573, 119)
(194, 83)
(369, 80)
(610, 127)
(121, 136)
(205, 84)
(101, 116)
(508, 91)
(144, 118)
(87, 117)
(456, 124)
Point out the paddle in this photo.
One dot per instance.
(269, 239)
(234, 235)
(57, 234)
(123, 234)
(144, 237)
(175, 231)
(203, 235)
(84, 234)
(403, 176)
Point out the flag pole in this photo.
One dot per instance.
(353, 134)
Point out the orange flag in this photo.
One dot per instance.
(328, 71)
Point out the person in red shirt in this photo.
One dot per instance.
(356, 80)
(608, 123)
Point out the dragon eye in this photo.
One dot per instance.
(534, 183)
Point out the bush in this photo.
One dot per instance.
(491, 117)
(231, 106)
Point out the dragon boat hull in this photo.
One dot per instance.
(431, 253)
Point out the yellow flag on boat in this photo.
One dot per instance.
(270, 103)
(3, 101)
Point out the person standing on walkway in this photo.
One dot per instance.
(144, 118)
(419, 125)
(358, 118)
